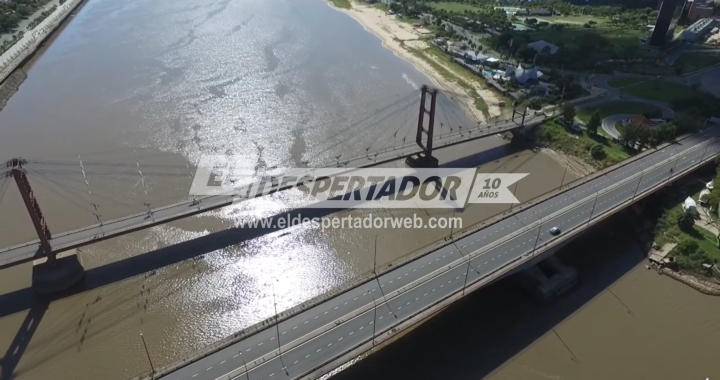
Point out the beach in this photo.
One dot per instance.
(398, 36)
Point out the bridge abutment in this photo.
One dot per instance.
(63, 273)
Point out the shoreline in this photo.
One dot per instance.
(395, 35)
(698, 283)
(24, 49)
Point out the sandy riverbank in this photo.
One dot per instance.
(398, 36)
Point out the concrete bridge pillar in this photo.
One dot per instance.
(58, 275)
(549, 278)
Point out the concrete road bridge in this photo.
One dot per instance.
(314, 338)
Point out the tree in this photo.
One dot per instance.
(631, 134)
(568, 114)
(597, 152)
(534, 103)
(686, 222)
(594, 123)
(666, 132)
(689, 255)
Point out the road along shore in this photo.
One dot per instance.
(25, 48)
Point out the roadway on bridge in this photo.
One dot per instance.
(114, 228)
(338, 325)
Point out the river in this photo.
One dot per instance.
(139, 91)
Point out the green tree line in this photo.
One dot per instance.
(14, 11)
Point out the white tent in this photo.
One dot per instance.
(689, 205)
(704, 195)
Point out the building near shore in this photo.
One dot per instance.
(697, 30)
(697, 9)
(522, 75)
(474, 58)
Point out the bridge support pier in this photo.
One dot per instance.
(548, 279)
(62, 274)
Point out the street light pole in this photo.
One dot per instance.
(452, 224)
(152, 368)
(704, 153)
(637, 187)
(537, 238)
(597, 195)
(374, 301)
(247, 373)
(277, 329)
(377, 280)
(514, 194)
(563, 177)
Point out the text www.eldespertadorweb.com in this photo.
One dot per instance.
(369, 221)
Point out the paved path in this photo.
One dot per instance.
(320, 334)
(609, 123)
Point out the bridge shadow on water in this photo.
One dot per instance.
(25, 299)
(479, 334)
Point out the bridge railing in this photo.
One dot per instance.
(538, 244)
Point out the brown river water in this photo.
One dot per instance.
(156, 84)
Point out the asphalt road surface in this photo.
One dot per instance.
(328, 330)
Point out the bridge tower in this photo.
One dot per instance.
(50, 273)
(520, 133)
(426, 158)
(33, 208)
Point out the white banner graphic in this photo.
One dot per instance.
(354, 187)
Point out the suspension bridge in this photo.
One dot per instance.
(436, 126)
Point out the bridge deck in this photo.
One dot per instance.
(114, 228)
(318, 335)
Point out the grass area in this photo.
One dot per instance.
(556, 136)
(456, 73)
(449, 69)
(575, 37)
(572, 19)
(659, 90)
(482, 106)
(616, 108)
(696, 61)
(668, 231)
(454, 7)
(342, 3)
(382, 6)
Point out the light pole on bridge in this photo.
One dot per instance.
(152, 368)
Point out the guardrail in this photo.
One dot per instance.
(26, 46)
(386, 268)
